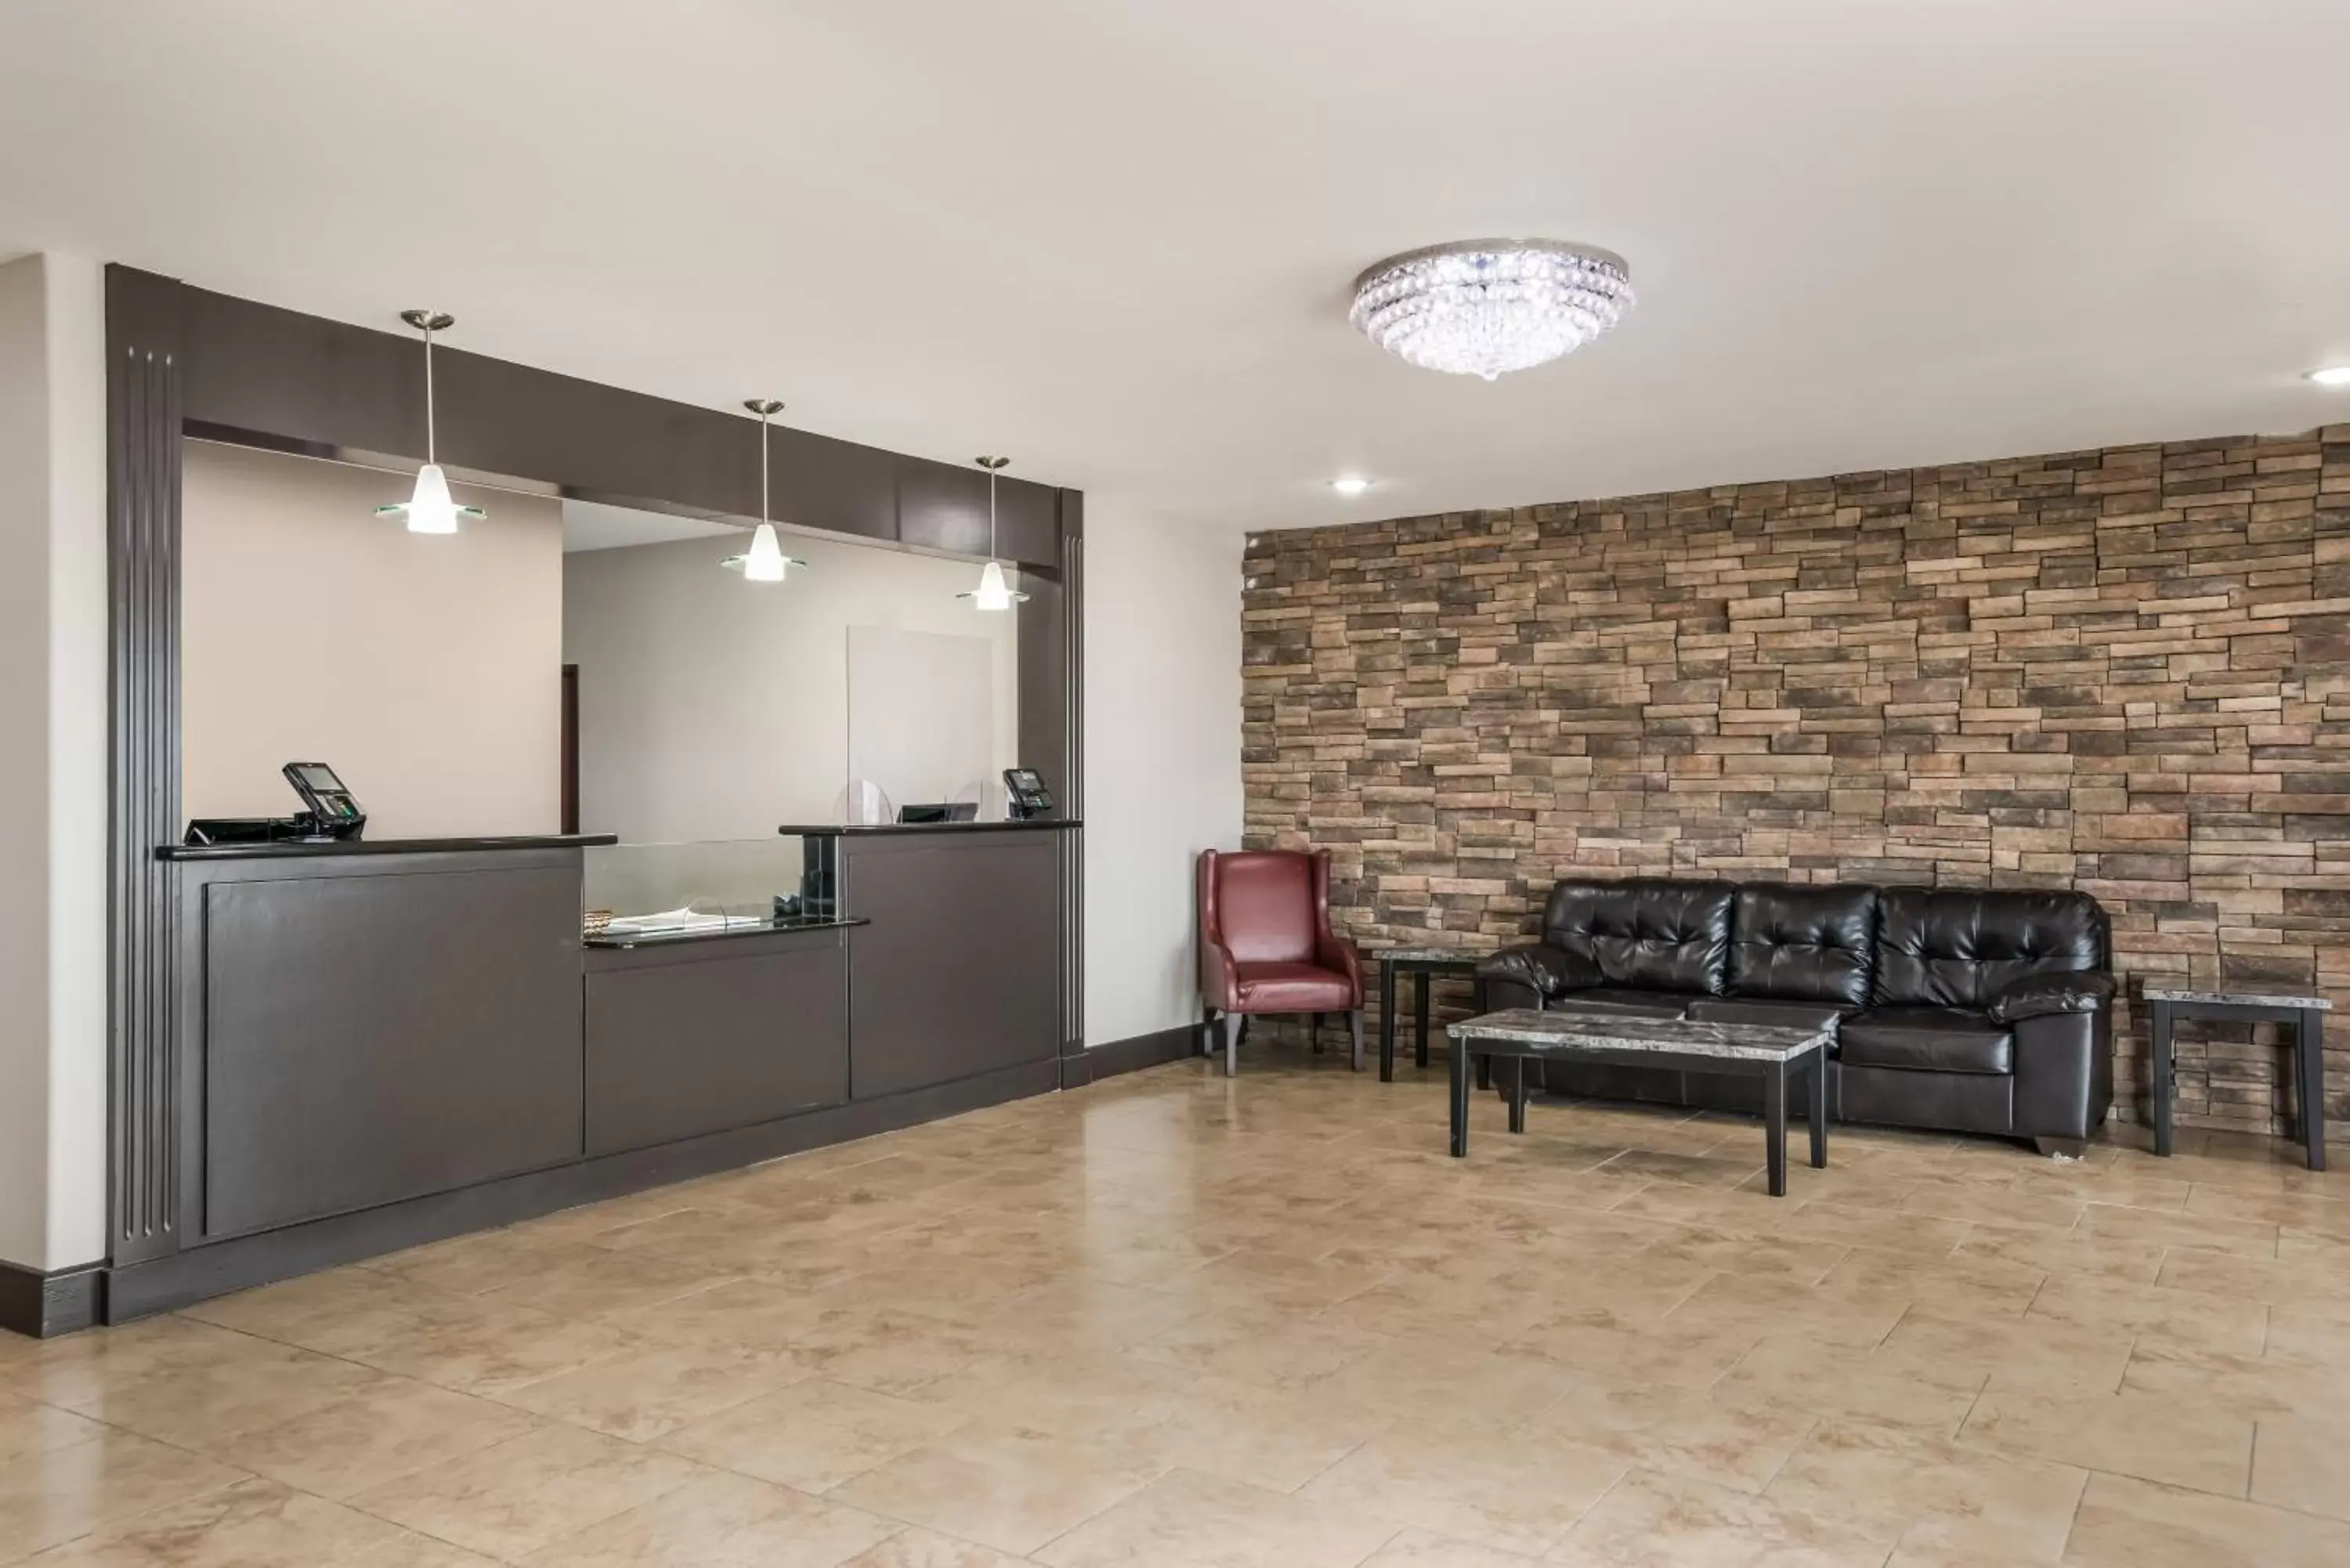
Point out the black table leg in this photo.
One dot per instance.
(1420, 1017)
(1774, 1126)
(2310, 1041)
(1459, 1064)
(1517, 1093)
(1818, 1114)
(2161, 1032)
(1386, 1021)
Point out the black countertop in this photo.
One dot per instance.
(291, 850)
(628, 940)
(870, 829)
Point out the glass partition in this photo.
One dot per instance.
(637, 892)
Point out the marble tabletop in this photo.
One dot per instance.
(1666, 1036)
(1430, 955)
(2237, 998)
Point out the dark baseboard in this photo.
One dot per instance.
(44, 1305)
(1130, 1055)
(141, 1290)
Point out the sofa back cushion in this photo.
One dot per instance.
(1957, 946)
(1808, 943)
(1653, 933)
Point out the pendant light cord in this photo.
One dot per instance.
(430, 443)
(991, 514)
(762, 465)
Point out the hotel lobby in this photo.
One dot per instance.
(945, 787)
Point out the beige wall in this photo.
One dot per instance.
(426, 670)
(712, 707)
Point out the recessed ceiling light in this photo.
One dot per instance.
(2331, 376)
(1350, 484)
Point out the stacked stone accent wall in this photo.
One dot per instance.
(2125, 671)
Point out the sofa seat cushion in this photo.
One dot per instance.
(1624, 1002)
(1755, 1010)
(1926, 1039)
(1291, 988)
(1947, 1102)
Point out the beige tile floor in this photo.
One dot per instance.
(1177, 1320)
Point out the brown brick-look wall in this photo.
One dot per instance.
(2126, 670)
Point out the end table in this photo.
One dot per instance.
(2305, 1013)
(1422, 962)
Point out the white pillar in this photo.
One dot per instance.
(53, 762)
(1162, 755)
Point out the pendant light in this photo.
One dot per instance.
(993, 592)
(429, 509)
(765, 562)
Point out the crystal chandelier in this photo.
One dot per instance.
(1479, 307)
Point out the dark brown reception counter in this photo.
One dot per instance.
(959, 972)
(381, 1044)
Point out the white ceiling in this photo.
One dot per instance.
(1112, 237)
(592, 525)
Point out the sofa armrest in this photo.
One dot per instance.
(2063, 1073)
(2046, 994)
(1549, 972)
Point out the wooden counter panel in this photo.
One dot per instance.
(373, 1038)
(959, 975)
(684, 1041)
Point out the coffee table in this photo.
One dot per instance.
(1766, 1051)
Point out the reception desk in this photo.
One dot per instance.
(377, 1045)
(957, 973)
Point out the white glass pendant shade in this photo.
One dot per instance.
(764, 564)
(993, 592)
(431, 509)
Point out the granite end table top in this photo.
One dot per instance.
(2193, 996)
(1463, 956)
(1665, 1036)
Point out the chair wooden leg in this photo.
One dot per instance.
(1315, 1025)
(1354, 1034)
(1234, 1024)
(1205, 1045)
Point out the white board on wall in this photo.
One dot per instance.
(922, 715)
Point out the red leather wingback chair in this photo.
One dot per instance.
(1266, 945)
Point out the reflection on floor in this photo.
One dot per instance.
(1174, 1319)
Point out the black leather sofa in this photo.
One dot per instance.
(1961, 1010)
